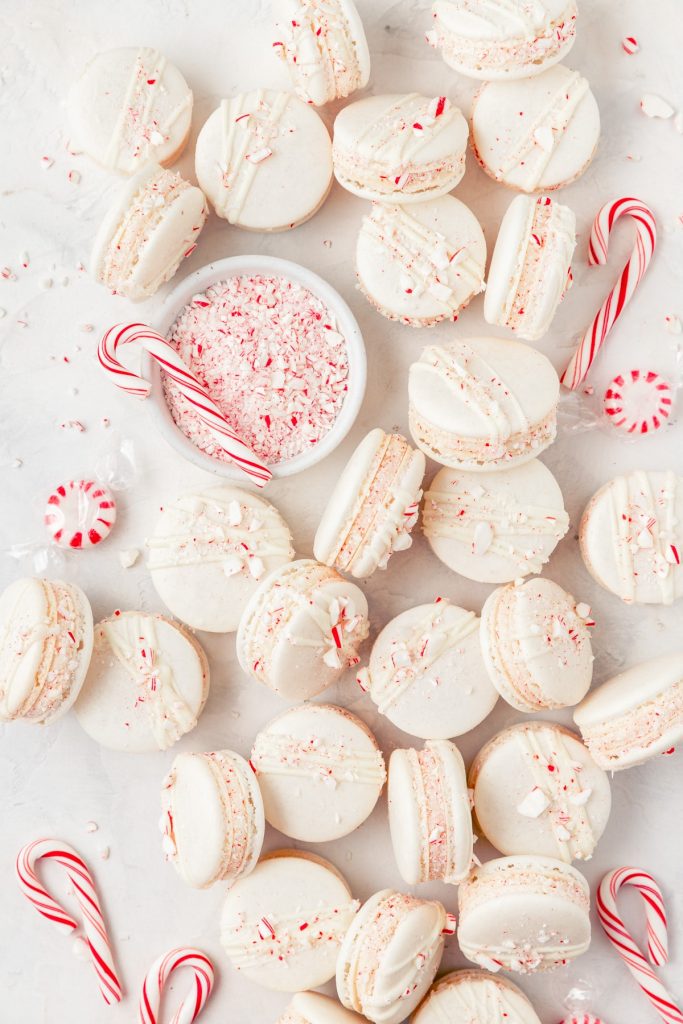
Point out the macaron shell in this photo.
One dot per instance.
(135, 701)
(407, 964)
(548, 760)
(405, 818)
(277, 192)
(320, 772)
(315, 1008)
(508, 116)
(475, 997)
(287, 890)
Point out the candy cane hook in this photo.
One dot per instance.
(657, 945)
(174, 367)
(158, 974)
(86, 894)
(629, 279)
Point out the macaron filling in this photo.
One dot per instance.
(438, 833)
(515, 878)
(470, 452)
(612, 739)
(363, 175)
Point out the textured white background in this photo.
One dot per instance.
(53, 781)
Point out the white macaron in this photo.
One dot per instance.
(429, 813)
(482, 403)
(264, 159)
(320, 771)
(423, 263)
(209, 550)
(46, 642)
(426, 672)
(538, 790)
(315, 1008)
(475, 997)
(212, 818)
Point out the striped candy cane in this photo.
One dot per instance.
(174, 367)
(613, 306)
(86, 894)
(158, 974)
(657, 945)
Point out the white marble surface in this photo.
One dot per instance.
(56, 780)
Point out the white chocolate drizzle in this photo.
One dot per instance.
(250, 943)
(276, 754)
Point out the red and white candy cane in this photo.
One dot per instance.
(657, 945)
(84, 889)
(629, 279)
(158, 974)
(172, 365)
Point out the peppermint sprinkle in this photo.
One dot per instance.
(655, 106)
(629, 45)
(533, 804)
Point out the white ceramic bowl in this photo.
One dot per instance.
(233, 266)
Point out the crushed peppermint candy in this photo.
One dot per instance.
(629, 45)
(655, 106)
(270, 355)
(534, 803)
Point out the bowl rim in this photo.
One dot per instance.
(232, 266)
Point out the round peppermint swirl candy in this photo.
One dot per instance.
(638, 402)
(80, 514)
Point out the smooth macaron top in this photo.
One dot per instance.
(475, 997)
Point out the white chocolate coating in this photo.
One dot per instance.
(536, 134)
(128, 107)
(320, 772)
(315, 1008)
(496, 527)
(538, 790)
(482, 403)
(426, 672)
(475, 997)
(146, 686)
(422, 263)
(405, 148)
(631, 537)
(209, 550)
(264, 159)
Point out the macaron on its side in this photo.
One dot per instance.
(503, 41)
(475, 997)
(209, 550)
(524, 914)
(635, 716)
(421, 264)
(538, 790)
(315, 1008)
(147, 683)
(403, 147)
(429, 813)
(531, 266)
(320, 772)
(212, 818)
(46, 642)
(390, 955)
(497, 527)
(536, 134)
(482, 404)
(282, 925)
(536, 645)
(264, 160)
(324, 47)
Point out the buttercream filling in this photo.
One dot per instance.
(612, 739)
(484, 887)
(468, 451)
(368, 174)
(438, 830)
(495, 55)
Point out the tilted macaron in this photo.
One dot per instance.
(503, 39)
(390, 955)
(147, 683)
(283, 924)
(320, 772)
(429, 813)
(426, 672)
(301, 629)
(373, 506)
(524, 914)
(128, 107)
(495, 527)
(264, 159)
(315, 1008)
(212, 818)
(531, 266)
(422, 263)
(475, 997)
(536, 644)
(405, 148)
(209, 550)
(536, 134)
(538, 790)
(636, 715)
(324, 46)
(46, 640)
(482, 403)
(631, 537)
(152, 226)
